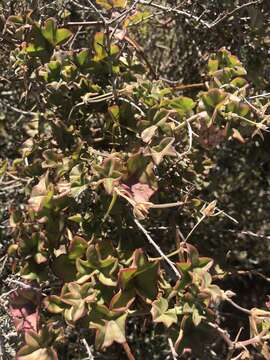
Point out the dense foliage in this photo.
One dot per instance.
(134, 184)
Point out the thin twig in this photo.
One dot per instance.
(173, 352)
(132, 104)
(195, 227)
(128, 351)
(221, 18)
(84, 23)
(79, 5)
(152, 242)
(19, 111)
(238, 307)
(97, 11)
(88, 350)
(259, 96)
(174, 11)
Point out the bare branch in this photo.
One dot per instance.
(89, 352)
(152, 242)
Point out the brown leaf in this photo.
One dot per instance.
(237, 136)
(209, 209)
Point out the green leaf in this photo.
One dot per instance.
(77, 247)
(82, 58)
(106, 280)
(62, 35)
(122, 300)
(238, 108)
(161, 314)
(186, 278)
(34, 49)
(165, 148)
(76, 312)
(53, 35)
(53, 74)
(213, 97)
(196, 317)
(115, 331)
(136, 18)
(193, 254)
(110, 331)
(119, 3)
(212, 65)
(125, 276)
(76, 218)
(239, 82)
(99, 46)
(32, 339)
(49, 31)
(40, 195)
(105, 4)
(63, 268)
(146, 281)
(183, 105)
(3, 167)
(136, 164)
(18, 20)
(41, 354)
(54, 304)
(114, 111)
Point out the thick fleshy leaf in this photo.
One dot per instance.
(53, 35)
(146, 281)
(77, 247)
(24, 309)
(40, 354)
(137, 164)
(213, 98)
(38, 194)
(161, 314)
(64, 268)
(114, 111)
(115, 331)
(196, 317)
(119, 3)
(238, 108)
(122, 300)
(53, 304)
(105, 4)
(165, 148)
(148, 133)
(110, 331)
(141, 192)
(106, 280)
(100, 47)
(125, 276)
(82, 58)
(212, 65)
(183, 105)
(77, 311)
(62, 35)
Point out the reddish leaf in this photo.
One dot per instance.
(211, 136)
(141, 192)
(24, 309)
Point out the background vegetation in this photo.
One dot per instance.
(130, 131)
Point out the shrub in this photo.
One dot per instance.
(115, 156)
